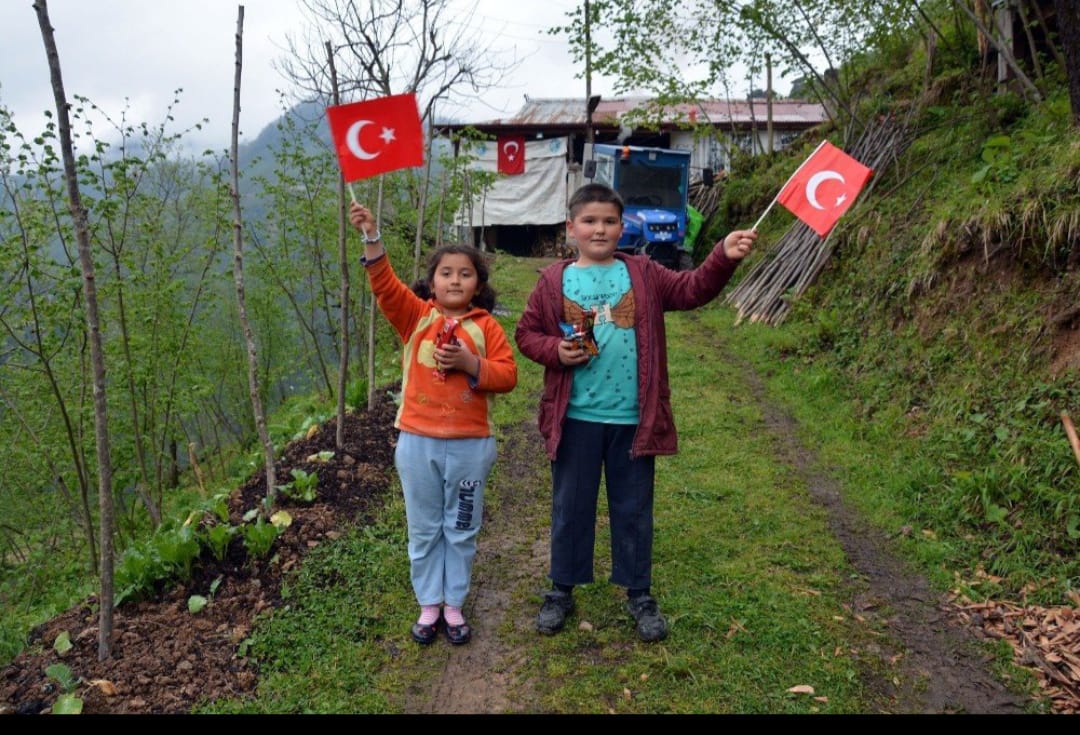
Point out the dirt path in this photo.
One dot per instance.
(928, 662)
(940, 666)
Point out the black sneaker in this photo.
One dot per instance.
(651, 625)
(557, 605)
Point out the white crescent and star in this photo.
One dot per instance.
(816, 180)
(352, 140)
(507, 146)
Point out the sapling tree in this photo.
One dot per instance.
(86, 263)
(238, 271)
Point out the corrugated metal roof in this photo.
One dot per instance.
(571, 112)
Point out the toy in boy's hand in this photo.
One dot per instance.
(445, 337)
(582, 332)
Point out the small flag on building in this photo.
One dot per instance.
(377, 136)
(512, 154)
(824, 187)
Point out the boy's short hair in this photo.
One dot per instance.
(593, 193)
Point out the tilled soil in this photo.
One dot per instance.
(166, 659)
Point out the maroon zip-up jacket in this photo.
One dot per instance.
(656, 290)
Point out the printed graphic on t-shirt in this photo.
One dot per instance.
(621, 315)
(605, 388)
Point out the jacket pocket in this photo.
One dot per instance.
(664, 425)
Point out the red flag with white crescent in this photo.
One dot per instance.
(824, 187)
(512, 154)
(377, 136)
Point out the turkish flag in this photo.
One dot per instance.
(512, 154)
(824, 187)
(377, 136)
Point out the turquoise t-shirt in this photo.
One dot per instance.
(604, 389)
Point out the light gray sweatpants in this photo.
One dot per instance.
(443, 481)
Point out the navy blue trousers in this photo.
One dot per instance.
(584, 449)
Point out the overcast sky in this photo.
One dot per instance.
(142, 50)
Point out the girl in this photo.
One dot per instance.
(455, 357)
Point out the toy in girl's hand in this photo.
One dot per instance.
(445, 337)
(582, 332)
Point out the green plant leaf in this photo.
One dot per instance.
(62, 674)
(67, 704)
(281, 519)
(251, 515)
(214, 586)
(196, 603)
(62, 644)
(259, 537)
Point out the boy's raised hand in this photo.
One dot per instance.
(737, 244)
(362, 219)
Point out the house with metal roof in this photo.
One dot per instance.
(513, 212)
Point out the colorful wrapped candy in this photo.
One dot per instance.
(445, 337)
(582, 332)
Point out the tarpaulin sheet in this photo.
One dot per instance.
(536, 197)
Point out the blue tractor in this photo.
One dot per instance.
(654, 184)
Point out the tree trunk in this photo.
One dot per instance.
(238, 270)
(174, 465)
(86, 263)
(1068, 24)
(343, 260)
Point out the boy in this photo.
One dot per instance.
(608, 405)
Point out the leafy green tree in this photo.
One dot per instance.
(688, 51)
(40, 314)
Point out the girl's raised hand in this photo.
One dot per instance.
(362, 219)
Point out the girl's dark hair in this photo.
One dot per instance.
(484, 298)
